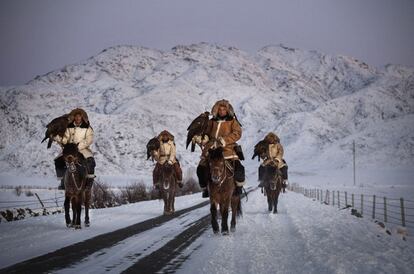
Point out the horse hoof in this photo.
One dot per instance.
(275, 212)
(78, 227)
(216, 231)
(69, 225)
(87, 224)
(226, 232)
(233, 229)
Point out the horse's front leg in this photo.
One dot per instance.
(213, 211)
(269, 199)
(87, 204)
(66, 205)
(224, 210)
(74, 210)
(235, 200)
(276, 201)
(78, 211)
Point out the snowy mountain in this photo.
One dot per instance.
(317, 103)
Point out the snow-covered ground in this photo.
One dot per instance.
(33, 237)
(304, 237)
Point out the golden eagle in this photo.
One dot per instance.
(197, 127)
(153, 144)
(56, 127)
(260, 149)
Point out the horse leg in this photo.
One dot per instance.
(87, 202)
(235, 203)
(269, 200)
(214, 223)
(74, 211)
(224, 210)
(78, 211)
(276, 201)
(66, 205)
(165, 198)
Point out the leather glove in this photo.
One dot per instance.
(197, 139)
(221, 141)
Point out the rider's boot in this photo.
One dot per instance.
(205, 193)
(61, 185)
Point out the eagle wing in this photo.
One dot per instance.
(153, 144)
(197, 127)
(260, 149)
(56, 127)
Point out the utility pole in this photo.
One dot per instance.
(353, 152)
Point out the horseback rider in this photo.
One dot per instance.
(166, 154)
(224, 130)
(273, 157)
(81, 133)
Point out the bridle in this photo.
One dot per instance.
(165, 185)
(227, 166)
(71, 167)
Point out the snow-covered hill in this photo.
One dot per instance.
(317, 103)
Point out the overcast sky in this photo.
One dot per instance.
(44, 35)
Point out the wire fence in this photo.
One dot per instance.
(396, 211)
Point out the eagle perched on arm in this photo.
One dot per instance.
(197, 127)
(260, 149)
(153, 145)
(56, 127)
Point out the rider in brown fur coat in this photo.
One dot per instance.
(225, 130)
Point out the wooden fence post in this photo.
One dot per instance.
(373, 208)
(353, 204)
(339, 201)
(346, 199)
(402, 212)
(333, 197)
(40, 201)
(362, 204)
(385, 209)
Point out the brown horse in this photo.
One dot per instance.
(221, 187)
(75, 186)
(167, 184)
(273, 183)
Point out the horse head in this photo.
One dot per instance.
(71, 156)
(167, 175)
(217, 165)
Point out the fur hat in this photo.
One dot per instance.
(224, 103)
(272, 138)
(77, 111)
(167, 134)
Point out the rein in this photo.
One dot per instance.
(72, 169)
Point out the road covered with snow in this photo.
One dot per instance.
(304, 237)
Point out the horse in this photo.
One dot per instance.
(273, 183)
(167, 184)
(76, 190)
(221, 187)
